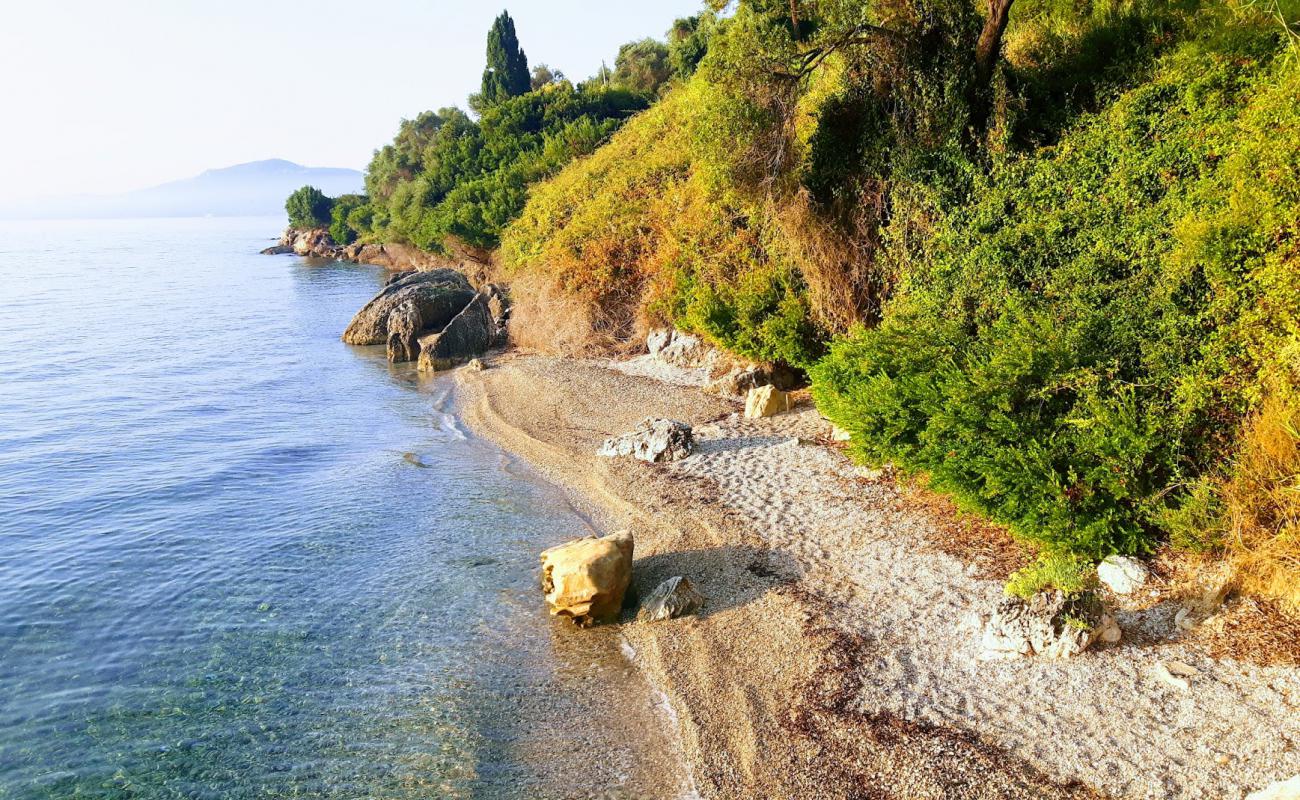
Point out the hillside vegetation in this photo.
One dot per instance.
(1049, 263)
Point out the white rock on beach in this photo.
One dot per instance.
(1049, 625)
(586, 579)
(673, 598)
(1281, 790)
(654, 440)
(765, 401)
(1122, 574)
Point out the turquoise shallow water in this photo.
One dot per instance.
(220, 577)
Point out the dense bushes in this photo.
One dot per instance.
(1079, 346)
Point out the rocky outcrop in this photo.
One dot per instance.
(654, 440)
(766, 401)
(586, 579)
(470, 333)
(1123, 574)
(315, 242)
(673, 598)
(410, 305)
(1049, 625)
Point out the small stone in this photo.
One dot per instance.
(1122, 574)
(765, 401)
(1281, 790)
(1109, 630)
(673, 598)
(476, 364)
(1165, 675)
(838, 434)
(1222, 758)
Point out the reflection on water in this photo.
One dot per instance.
(221, 575)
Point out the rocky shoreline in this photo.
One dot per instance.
(317, 243)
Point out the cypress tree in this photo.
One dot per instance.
(507, 66)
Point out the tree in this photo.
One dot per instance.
(507, 66)
(688, 41)
(342, 229)
(308, 208)
(544, 75)
(642, 66)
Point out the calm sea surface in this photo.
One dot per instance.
(239, 558)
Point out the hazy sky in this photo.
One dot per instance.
(107, 96)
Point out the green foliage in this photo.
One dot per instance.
(688, 41)
(1073, 350)
(506, 75)
(1061, 571)
(642, 66)
(349, 217)
(308, 207)
(543, 75)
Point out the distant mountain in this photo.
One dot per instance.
(255, 188)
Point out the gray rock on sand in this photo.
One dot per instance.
(673, 598)
(470, 333)
(1049, 625)
(654, 440)
(434, 297)
(1280, 790)
(1122, 574)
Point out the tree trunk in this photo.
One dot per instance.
(990, 42)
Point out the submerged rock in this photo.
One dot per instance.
(586, 579)
(1122, 574)
(673, 598)
(654, 440)
(1049, 624)
(424, 301)
(470, 333)
(766, 401)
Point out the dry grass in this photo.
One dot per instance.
(1262, 505)
(544, 318)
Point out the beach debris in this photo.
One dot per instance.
(673, 598)
(653, 440)
(476, 364)
(765, 401)
(1109, 631)
(1049, 624)
(838, 434)
(1123, 574)
(470, 333)
(1279, 790)
(586, 579)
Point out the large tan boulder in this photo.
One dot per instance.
(586, 579)
(1050, 624)
(765, 401)
(435, 298)
(470, 333)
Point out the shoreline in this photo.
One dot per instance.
(832, 659)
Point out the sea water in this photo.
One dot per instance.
(239, 558)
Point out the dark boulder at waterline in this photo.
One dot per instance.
(410, 305)
(470, 334)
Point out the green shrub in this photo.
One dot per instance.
(308, 207)
(344, 218)
(1080, 339)
(1060, 571)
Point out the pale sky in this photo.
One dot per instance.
(109, 96)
